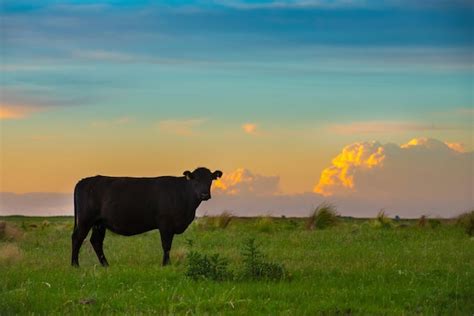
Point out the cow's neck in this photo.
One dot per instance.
(193, 201)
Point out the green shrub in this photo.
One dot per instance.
(255, 265)
(211, 267)
(466, 220)
(214, 267)
(325, 215)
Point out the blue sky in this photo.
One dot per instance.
(110, 72)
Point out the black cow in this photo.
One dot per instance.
(130, 206)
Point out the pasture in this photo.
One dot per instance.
(352, 268)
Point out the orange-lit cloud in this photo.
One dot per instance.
(352, 158)
(181, 127)
(11, 112)
(459, 147)
(423, 168)
(250, 128)
(242, 181)
(429, 143)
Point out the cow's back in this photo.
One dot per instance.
(129, 206)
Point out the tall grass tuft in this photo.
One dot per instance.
(9, 232)
(422, 221)
(224, 219)
(217, 221)
(466, 220)
(382, 220)
(325, 215)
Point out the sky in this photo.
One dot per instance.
(366, 104)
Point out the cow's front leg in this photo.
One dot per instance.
(166, 241)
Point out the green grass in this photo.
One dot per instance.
(350, 268)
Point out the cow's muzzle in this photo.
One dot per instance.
(205, 196)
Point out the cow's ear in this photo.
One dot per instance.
(188, 174)
(216, 174)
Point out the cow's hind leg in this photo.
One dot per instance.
(97, 241)
(79, 234)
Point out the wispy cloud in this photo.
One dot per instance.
(371, 127)
(185, 127)
(288, 4)
(112, 122)
(335, 4)
(102, 55)
(18, 102)
(20, 67)
(12, 112)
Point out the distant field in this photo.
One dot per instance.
(353, 268)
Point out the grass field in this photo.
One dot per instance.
(352, 268)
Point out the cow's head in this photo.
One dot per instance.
(201, 180)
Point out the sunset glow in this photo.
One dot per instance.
(297, 102)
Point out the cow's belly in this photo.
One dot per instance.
(129, 228)
(129, 220)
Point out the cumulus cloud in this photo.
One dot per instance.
(358, 156)
(244, 182)
(423, 171)
(185, 127)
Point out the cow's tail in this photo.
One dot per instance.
(75, 205)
